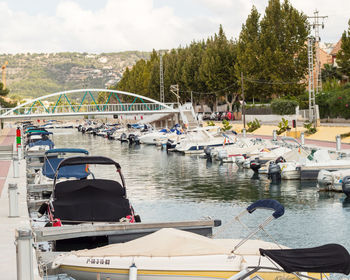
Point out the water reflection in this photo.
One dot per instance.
(171, 186)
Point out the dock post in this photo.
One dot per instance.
(19, 152)
(13, 200)
(338, 142)
(302, 138)
(274, 135)
(24, 254)
(244, 132)
(15, 163)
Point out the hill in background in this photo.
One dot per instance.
(34, 75)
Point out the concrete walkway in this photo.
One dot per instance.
(325, 135)
(8, 266)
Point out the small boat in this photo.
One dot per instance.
(39, 140)
(174, 254)
(196, 140)
(331, 180)
(88, 199)
(52, 159)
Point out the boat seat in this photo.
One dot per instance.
(96, 200)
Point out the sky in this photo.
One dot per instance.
(95, 26)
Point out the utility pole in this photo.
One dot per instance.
(310, 55)
(162, 98)
(243, 105)
(318, 21)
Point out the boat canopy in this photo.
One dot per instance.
(39, 132)
(170, 242)
(88, 160)
(47, 142)
(76, 171)
(98, 200)
(35, 129)
(330, 258)
(67, 150)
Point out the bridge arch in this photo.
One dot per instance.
(161, 106)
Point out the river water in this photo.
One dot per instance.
(175, 187)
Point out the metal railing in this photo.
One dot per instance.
(118, 108)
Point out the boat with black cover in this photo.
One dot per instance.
(89, 199)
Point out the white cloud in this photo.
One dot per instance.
(139, 25)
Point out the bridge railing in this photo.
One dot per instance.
(90, 108)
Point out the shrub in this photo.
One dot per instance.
(283, 126)
(309, 128)
(253, 125)
(226, 125)
(283, 106)
(335, 103)
(210, 123)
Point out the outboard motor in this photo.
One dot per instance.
(207, 151)
(136, 140)
(255, 165)
(170, 145)
(131, 138)
(274, 173)
(123, 138)
(346, 185)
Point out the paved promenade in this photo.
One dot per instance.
(324, 137)
(9, 225)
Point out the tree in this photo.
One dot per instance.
(343, 56)
(330, 72)
(217, 69)
(274, 51)
(3, 93)
(248, 54)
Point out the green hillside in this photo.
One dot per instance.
(33, 75)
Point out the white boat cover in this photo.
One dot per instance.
(169, 242)
(298, 155)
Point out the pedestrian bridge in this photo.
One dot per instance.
(65, 105)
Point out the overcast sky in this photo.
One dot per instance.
(97, 26)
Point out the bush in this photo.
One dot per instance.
(309, 128)
(334, 104)
(283, 126)
(253, 125)
(283, 106)
(226, 125)
(210, 123)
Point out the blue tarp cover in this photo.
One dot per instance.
(75, 171)
(42, 143)
(39, 133)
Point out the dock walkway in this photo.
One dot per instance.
(8, 225)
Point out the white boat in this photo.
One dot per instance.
(174, 254)
(331, 180)
(195, 141)
(241, 147)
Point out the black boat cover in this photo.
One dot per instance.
(330, 258)
(88, 160)
(90, 200)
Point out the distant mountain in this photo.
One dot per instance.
(33, 75)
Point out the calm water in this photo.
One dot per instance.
(174, 187)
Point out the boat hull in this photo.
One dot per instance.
(120, 274)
